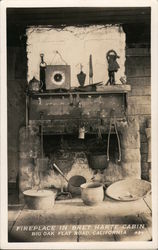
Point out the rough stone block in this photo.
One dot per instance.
(130, 136)
(131, 155)
(26, 169)
(143, 158)
(131, 170)
(113, 172)
(146, 171)
(143, 137)
(133, 123)
(145, 166)
(144, 148)
(25, 185)
(129, 140)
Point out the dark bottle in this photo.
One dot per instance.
(42, 72)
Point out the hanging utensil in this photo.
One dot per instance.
(90, 70)
(43, 66)
(60, 172)
(42, 162)
(113, 123)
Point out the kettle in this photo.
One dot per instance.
(35, 85)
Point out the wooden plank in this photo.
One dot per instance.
(130, 228)
(147, 220)
(73, 213)
(104, 90)
(82, 15)
(139, 109)
(142, 11)
(29, 226)
(138, 66)
(142, 221)
(139, 90)
(99, 229)
(139, 81)
(148, 201)
(10, 225)
(138, 52)
(143, 100)
(13, 215)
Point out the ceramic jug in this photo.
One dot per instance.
(35, 85)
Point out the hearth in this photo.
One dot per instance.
(60, 141)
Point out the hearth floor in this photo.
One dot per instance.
(71, 220)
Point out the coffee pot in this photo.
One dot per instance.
(35, 85)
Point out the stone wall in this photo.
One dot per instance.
(16, 86)
(138, 74)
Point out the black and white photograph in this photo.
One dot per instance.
(78, 128)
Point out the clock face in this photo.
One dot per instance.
(58, 77)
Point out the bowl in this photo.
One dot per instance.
(39, 199)
(92, 193)
(129, 189)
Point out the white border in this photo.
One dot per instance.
(3, 111)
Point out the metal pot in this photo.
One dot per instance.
(92, 193)
(35, 85)
(97, 161)
(74, 182)
(39, 199)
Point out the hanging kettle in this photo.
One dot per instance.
(35, 85)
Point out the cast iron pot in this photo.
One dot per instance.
(39, 199)
(97, 161)
(75, 183)
(92, 193)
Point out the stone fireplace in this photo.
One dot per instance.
(55, 119)
(59, 140)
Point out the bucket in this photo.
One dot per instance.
(92, 193)
(39, 199)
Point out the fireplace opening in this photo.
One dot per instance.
(54, 145)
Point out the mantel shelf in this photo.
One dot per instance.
(112, 89)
